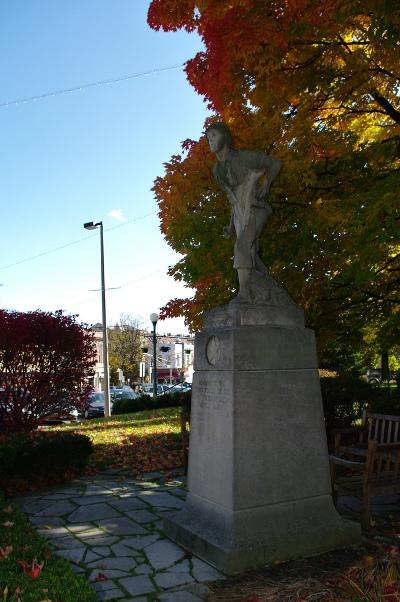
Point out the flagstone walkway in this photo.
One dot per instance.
(109, 527)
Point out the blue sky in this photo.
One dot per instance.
(89, 155)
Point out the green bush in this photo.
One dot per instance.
(41, 455)
(385, 400)
(145, 402)
(344, 398)
(56, 581)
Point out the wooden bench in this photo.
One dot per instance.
(380, 427)
(366, 460)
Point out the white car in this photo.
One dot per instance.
(161, 389)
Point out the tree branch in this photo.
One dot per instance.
(387, 106)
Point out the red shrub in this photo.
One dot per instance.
(45, 359)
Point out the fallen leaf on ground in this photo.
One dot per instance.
(25, 548)
(101, 577)
(33, 570)
(5, 552)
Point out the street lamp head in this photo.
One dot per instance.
(91, 225)
(154, 318)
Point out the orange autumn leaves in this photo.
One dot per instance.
(139, 442)
(314, 82)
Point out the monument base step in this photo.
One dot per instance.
(287, 531)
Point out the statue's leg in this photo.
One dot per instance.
(261, 215)
(243, 264)
(244, 278)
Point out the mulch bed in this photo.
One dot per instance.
(373, 567)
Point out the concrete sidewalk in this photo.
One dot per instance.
(109, 527)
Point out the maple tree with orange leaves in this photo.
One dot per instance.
(317, 84)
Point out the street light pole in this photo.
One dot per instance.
(107, 408)
(154, 320)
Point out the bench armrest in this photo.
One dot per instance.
(343, 462)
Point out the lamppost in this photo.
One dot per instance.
(107, 409)
(154, 320)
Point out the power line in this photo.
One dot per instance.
(74, 242)
(144, 277)
(104, 82)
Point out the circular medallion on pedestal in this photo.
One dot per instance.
(213, 350)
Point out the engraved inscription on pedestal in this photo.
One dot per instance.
(213, 350)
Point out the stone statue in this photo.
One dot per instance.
(246, 177)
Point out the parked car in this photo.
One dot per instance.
(95, 407)
(178, 388)
(124, 391)
(71, 416)
(161, 389)
(374, 376)
(167, 388)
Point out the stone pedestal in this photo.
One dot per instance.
(259, 484)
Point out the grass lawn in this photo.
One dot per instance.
(140, 442)
(28, 570)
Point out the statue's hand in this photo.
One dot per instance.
(227, 231)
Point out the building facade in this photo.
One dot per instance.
(174, 355)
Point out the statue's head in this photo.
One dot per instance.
(218, 135)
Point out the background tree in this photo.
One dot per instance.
(125, 342)
(316, 83)
(45, 360)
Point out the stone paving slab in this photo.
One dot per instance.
(110, 526)
(142, 516)
(110, 594)
(121, 525)
(164, 553)
(123, 563)
(165, 500)
(127, 503)
(53, 532)
(89, 499)
(138, 585)
(46, 522)
(168, 580)
(76, 555)
(179, 596)
(93, 512)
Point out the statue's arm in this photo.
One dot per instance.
(230, 228)
(261, 162)
(273, 167)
